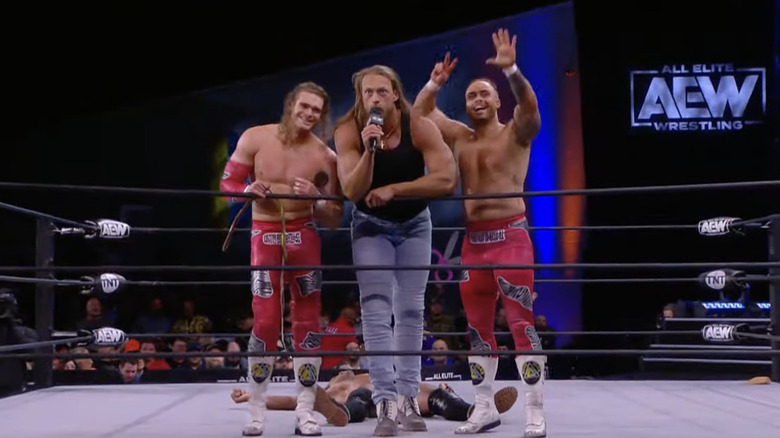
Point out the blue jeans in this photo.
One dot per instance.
(387, 294)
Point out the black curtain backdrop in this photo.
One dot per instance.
(648, 37)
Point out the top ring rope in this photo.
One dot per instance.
(573, 192)
(442, 229)
(249, 268)
(41, 215)
(733, 223)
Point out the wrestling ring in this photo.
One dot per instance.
(574, 407)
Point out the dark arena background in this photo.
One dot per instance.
(631, 94)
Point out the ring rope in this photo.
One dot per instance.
(761, 222)
(556, 352)
(434, 334)
(53, 281)
(41, 215)
(244, 283)
(245, 268)
(573, 192)
(42, 344)
(151, 230)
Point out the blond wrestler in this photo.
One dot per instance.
(286, 158)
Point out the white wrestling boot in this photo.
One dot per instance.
(260, 370)
(484, 415)
(531, 369)
(307, 371)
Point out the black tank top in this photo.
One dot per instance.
(404, 163)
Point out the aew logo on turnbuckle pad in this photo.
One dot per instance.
(698, 97)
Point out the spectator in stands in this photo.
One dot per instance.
(179, 345)
(666, 312)
(439, 345)
(235, 361)
(128, 370)
(153, 320)
(95, 316)
(215, 361)
(540, 323)
(437, 320)
(61, 364)
(108, 363)
(195, 362)
(152, 363)
(341, 327)
(283, 363)
(191, 321)
(83, 364)
(134, 346)
(352, 362)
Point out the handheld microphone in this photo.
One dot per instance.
(108, 229)
(375, 117)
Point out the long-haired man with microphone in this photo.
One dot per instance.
(286, 158)
(493, 158)
(383, 153)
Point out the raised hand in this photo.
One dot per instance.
(506, 53)
(442, 70)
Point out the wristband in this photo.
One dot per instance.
(510, 70)
(433, 86)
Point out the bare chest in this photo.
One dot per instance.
(483, 155)
(282, 166)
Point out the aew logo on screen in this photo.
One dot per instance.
(698, 97)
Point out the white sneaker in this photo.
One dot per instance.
(307, 425)
(535, 425)
(483, 417)
(257, 410)
(531, 370)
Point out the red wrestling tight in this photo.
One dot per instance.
(303, 248)
(500, 242)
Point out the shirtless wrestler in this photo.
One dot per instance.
(347, 398)
(286, 158)
(493, 158)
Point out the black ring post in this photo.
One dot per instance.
(44, 300)
(774, 292)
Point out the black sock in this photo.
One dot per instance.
(448, 405)
(359, 405)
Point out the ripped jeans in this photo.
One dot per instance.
(392, 294)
